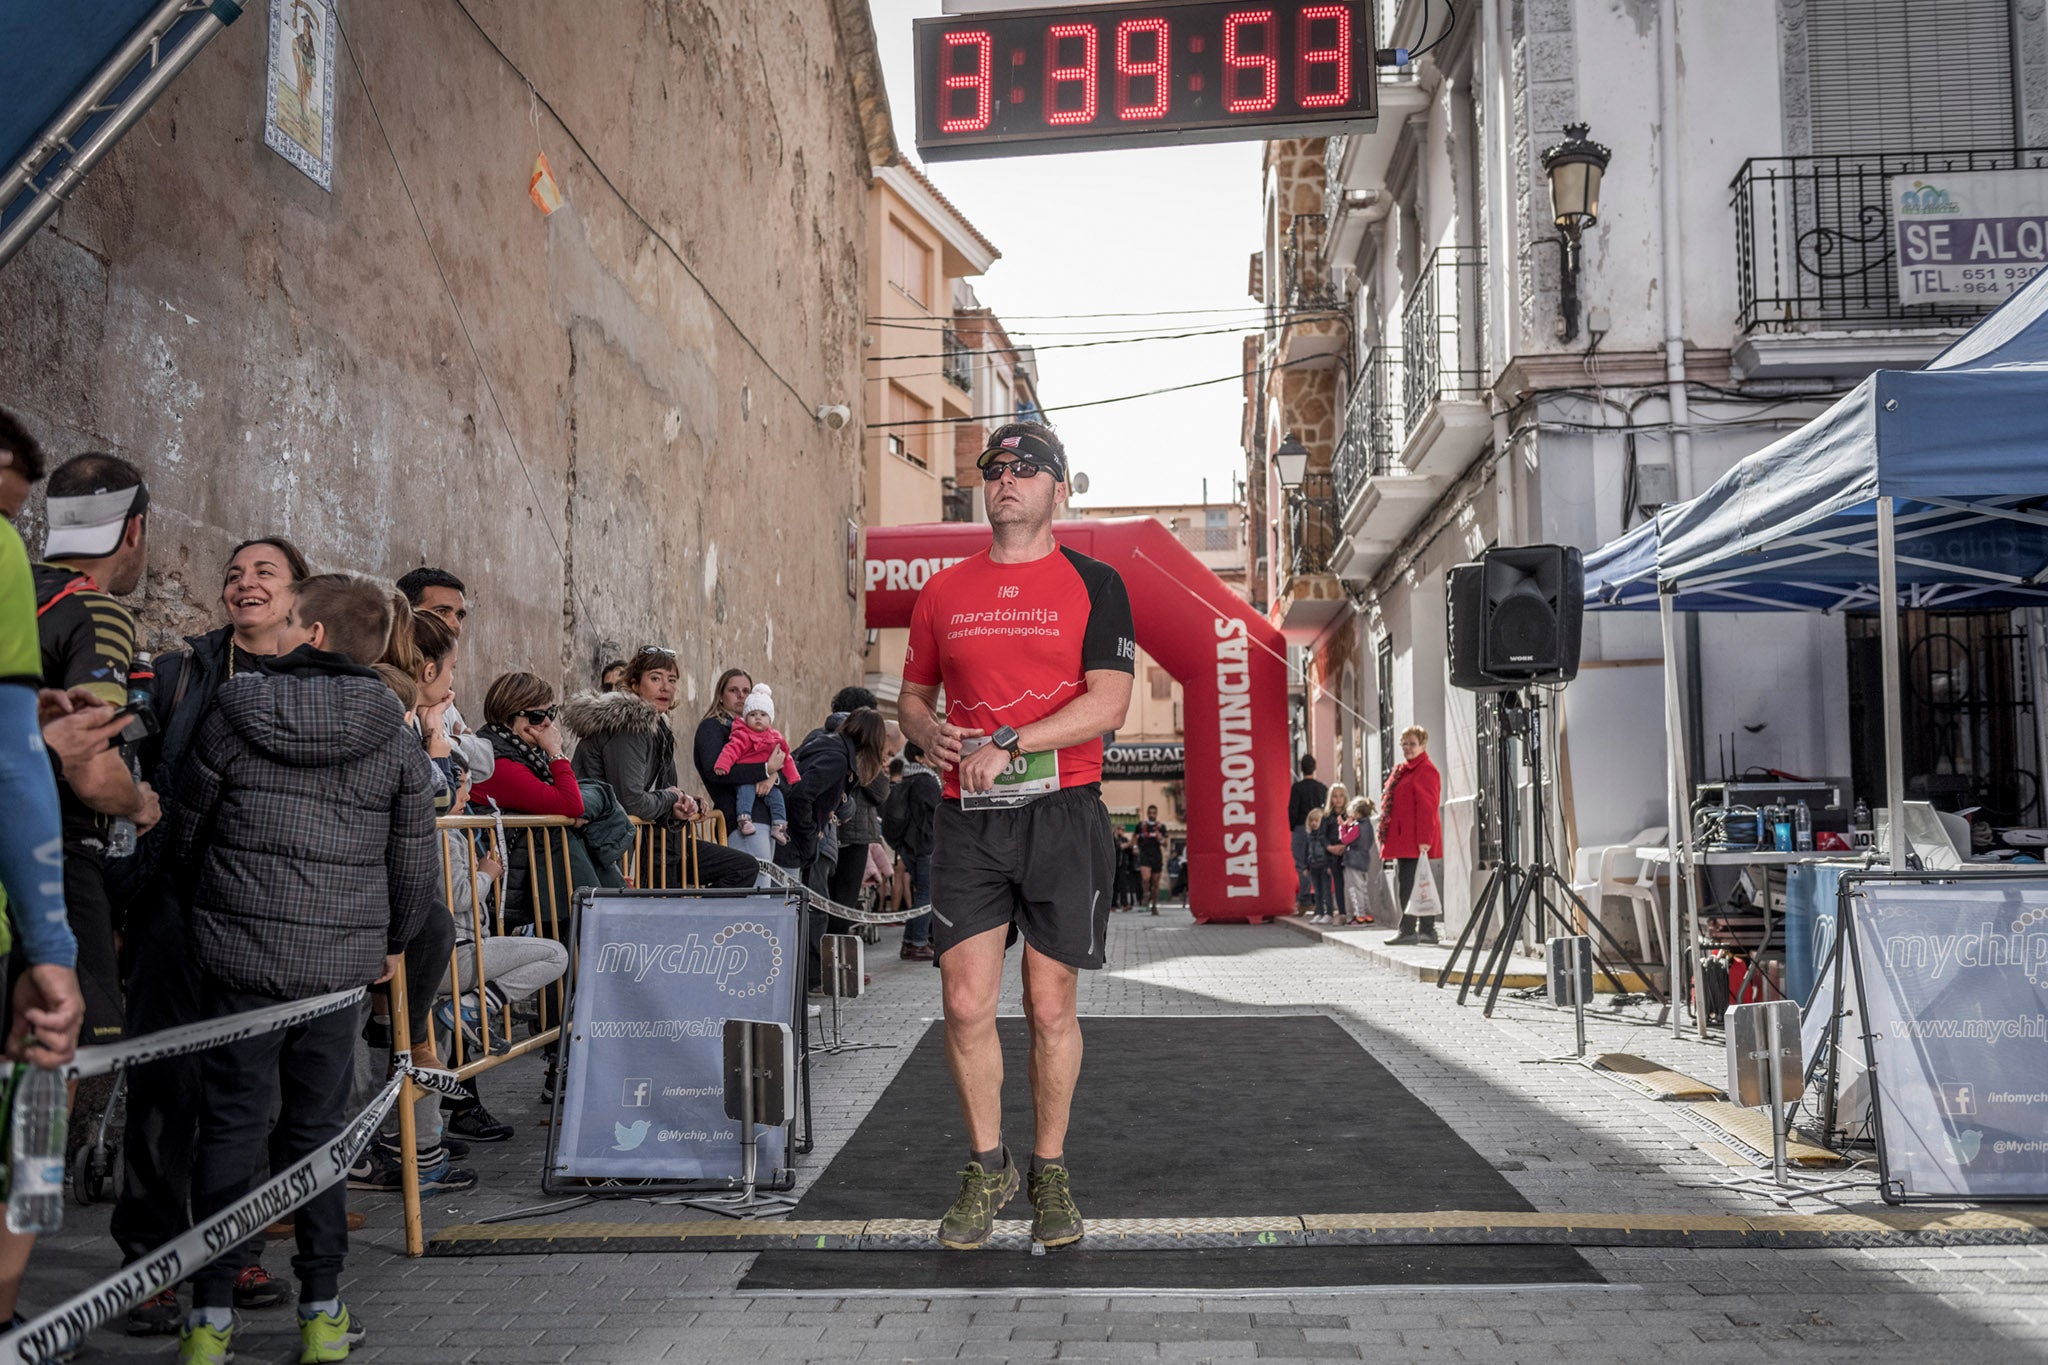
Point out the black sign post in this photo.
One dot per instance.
(1024, 82)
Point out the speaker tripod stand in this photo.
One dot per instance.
(1516, 889)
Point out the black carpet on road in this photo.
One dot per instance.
(1176, 1118)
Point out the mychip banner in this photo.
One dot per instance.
(1953, 978)
(1973, 237)
(657, 976)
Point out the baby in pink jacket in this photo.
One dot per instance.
(754, 738)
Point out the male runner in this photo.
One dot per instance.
(1151, 855)
(1033, 645)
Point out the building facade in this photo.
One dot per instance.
(941, 374)
(1422, 346)
(593, 415)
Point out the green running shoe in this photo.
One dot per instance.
(326, 1337)
(204, 1345)
(982, 1196)
(1055, 1222)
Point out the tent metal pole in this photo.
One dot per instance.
(1678, 830)
(2037, 668)
(1888, 626)
(143, 45)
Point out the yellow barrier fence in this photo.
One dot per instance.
(539, 845)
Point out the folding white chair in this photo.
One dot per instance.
(1614, 870)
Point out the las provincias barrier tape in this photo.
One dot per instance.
(65, 1326)
(785, 880)
(176, 1042)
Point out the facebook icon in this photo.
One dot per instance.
(638, 1090)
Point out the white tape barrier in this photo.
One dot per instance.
(176, 1042)
(62, 1328)
(789, 881)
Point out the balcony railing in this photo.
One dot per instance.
(1814, 239)
(1311, 525)
(1442, 335)
(1373, 426)
(1333, 183)
(958, 362)
(1308, 275)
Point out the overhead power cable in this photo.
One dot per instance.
(1093, 402)
(1247, 325)
(1067, 345)
(1065, 317)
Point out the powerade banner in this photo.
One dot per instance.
(1971, 237)
(1144, 762)
(1954, 983)
(656, 979)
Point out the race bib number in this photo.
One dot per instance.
(1028, 777)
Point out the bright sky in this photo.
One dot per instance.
(1119, 231)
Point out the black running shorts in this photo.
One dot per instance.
(1043, 870)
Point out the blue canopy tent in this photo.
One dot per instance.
(77, 76)
(1923, 488)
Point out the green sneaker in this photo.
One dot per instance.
(982, 1196)
(327, 1337)
(1055, 1222)
(204, 1345)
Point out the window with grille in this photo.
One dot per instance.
(1909, 75)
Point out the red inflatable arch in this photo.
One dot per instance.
(1230, 663)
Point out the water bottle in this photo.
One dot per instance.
(1802, 826)
(35, 1194)
(1781, 827)
(1860, 819)
(141, 679)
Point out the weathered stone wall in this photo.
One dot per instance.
(622, 466)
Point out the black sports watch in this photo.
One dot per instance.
(1006, 738)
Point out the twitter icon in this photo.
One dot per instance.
(629, 1135)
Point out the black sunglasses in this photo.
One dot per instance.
(540, 717)
(1020, 469)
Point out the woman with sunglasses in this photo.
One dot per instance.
(624, 740)
(532, 776)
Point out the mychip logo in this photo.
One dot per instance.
(743, 959)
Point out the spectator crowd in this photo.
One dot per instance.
(261, 817)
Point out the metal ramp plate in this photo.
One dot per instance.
(1648, 1077)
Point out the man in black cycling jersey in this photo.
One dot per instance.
(1033, 646)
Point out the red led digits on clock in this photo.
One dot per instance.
(1336, 59)
(1128, 70)
(956, 80)
(1239, 62)
(1081, 74)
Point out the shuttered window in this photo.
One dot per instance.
(1909, 75)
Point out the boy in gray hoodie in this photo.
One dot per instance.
(308, 821)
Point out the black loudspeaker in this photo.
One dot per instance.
(1515, 617)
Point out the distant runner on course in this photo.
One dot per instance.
(1033, 646)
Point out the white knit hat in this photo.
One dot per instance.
(760, 699)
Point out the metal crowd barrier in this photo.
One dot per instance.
(541, 843)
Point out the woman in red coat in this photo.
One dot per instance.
(1411, 828)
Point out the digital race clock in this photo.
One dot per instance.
(1016, 82)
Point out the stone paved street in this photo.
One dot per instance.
(1567, 1139)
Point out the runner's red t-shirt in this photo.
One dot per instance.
(1013, 643)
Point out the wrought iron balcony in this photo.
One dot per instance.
(1814, 239)
(1442, 332)
(1307, 273)
(958, 362)
(1311, 525)
(1370, 445)
(1333, 184)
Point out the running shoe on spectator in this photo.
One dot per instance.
(203, 1344)
(379, 1171)
(256, 1287)
(326, 1337)
(476, 1123)
(157, 1315)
